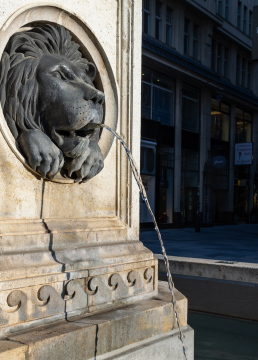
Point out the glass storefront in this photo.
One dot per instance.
(148, 172)
(242, 172)
(158, 125)
(189, 185)
(166, 184)
(190, 109)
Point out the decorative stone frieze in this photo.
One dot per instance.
(80, 295)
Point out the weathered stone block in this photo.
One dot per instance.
(137, 331)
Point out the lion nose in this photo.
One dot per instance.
(99, 98)
(90, 93)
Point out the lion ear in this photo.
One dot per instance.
(91, 72)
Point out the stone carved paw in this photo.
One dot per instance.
(42, 154)
(85, 167)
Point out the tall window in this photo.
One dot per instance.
(219, 58)
(243, 71)
(186, 36)
(146, 17)
(169, 14)
(226, 63)
(250, 23)
(244, 19)
(190, 105)
(238, 70)
(239, 14)
(219, 7)
(158, 20)
(213, 55)
(219, 120)
(249, 75)
(243, 126)
(195, 41)
(157, 97)
(165, 192)
(226, 9)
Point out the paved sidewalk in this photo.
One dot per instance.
(230, 242)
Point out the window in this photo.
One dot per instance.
(243, 71)
(250, 24)
(146, 17)
(169, 26)
(190, 106)
(238, 70)
(219, 59)
(186, 36)
(219, 7)
(219, 120)
(243, 126)
(226, 63)
(213, 55)
(195, 41)
(226, 9)
(249, 75)
(165, 192)
(157, 97)
(158, 20)
(244, 19)
(189, 160)
(239, 13)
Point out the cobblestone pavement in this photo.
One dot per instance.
(229, 242)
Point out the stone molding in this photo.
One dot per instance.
(44, 303)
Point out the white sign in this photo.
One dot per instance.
(243, 154)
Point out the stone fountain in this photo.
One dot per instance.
(75, 281)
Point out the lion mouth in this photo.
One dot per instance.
(73, 143)
(85, 131)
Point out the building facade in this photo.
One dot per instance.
(199, 152)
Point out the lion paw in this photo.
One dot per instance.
(86, 166)
(42, 154)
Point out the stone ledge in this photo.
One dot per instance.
(211, 269)
(100, 334)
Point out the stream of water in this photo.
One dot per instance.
(138, 179)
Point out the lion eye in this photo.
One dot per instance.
(57, 75)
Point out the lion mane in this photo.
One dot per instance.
(18, 82)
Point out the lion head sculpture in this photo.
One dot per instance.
(50, 103)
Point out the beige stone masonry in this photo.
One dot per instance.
(100, 334)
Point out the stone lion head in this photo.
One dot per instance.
(50, 102)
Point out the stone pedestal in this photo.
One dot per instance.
(75, 281)
(69, 249)
(143, 330)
